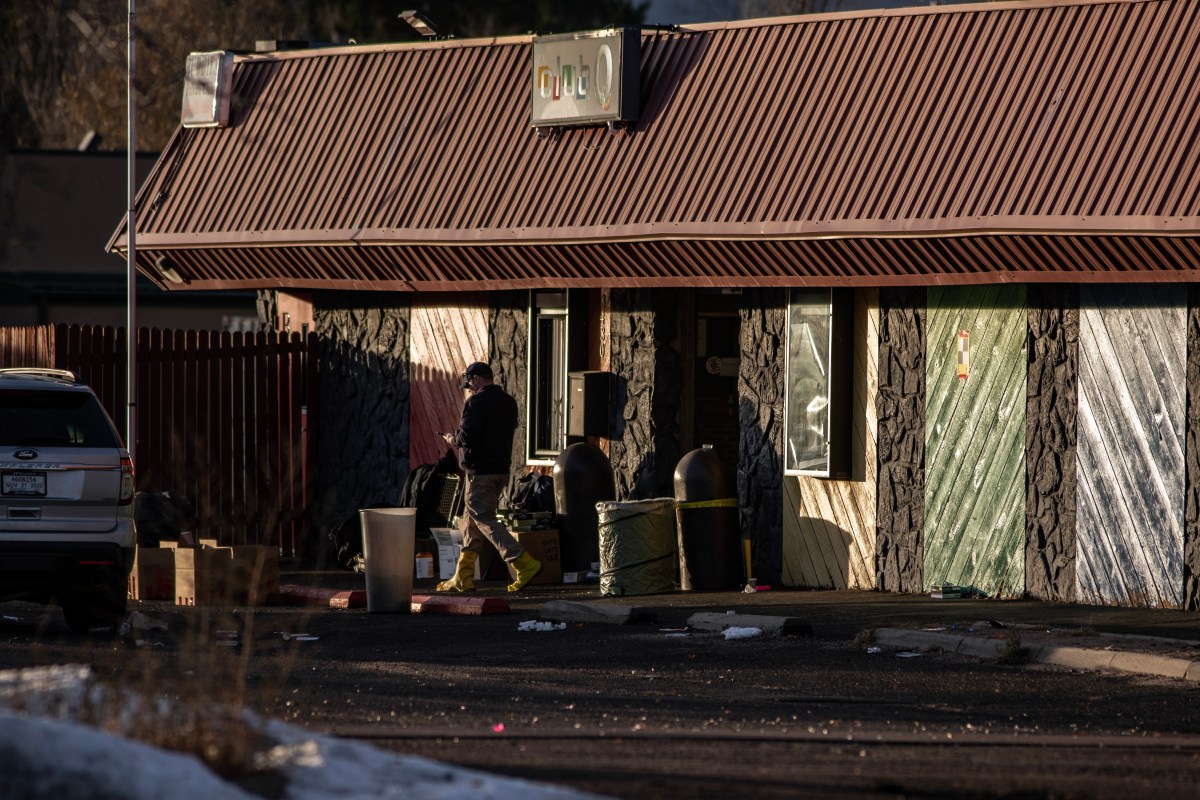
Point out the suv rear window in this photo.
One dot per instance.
(31, 418)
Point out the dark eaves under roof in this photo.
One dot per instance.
(1038, 140)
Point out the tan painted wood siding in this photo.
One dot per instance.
(829, 525)
(1132, 383)
(975, 440)
(448, 332)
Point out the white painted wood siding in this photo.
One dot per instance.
(829, 525)
(1132, 388)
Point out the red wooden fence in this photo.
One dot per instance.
(222, 418)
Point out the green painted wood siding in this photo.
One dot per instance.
(829, 525)
(975, 440)
(1130, 500)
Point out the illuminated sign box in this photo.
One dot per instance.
(586, 78)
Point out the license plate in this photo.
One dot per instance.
(24, 483)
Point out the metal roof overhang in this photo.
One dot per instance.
(854, 253)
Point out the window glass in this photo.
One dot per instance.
(33, 418)
(548, 375)
(808, 381)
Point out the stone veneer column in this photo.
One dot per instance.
(1191, 485)
(1050, 449)
(362, 410)
(508, 354)
(761, 418)
(900, 517)
(644, 416)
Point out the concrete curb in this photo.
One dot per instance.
(1082, 658)
(569, 611)
(772, 626)
(292, 595)
(471, 606)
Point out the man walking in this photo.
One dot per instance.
(485, 435)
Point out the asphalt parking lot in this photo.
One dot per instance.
(656, 708)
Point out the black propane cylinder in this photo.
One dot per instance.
(709, 534)
(583, 477)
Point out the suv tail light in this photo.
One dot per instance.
(126, 480)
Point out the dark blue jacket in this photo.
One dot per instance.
(485, 433)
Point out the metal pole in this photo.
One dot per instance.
(131, 257)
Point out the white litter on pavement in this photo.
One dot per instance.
(541, 625)
(742, 633)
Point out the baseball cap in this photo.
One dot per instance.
(479, 369)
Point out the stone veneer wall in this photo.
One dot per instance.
(644, 447)
(508, 355)
(1191, 456)
(362, 412)
(761, 417)
(1050, 451)
(900, 518)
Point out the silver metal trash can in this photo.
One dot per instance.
(389, 541)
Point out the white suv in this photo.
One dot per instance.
(66, 498)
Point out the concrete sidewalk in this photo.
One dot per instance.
(1146, 641)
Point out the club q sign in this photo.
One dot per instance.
(586, 78)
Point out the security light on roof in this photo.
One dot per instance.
(420, 23)
(207, 86)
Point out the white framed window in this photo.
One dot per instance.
(817, 400)
(546, 404)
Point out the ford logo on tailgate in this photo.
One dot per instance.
(25, 454)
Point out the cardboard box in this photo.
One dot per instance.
(542, 545)
(153, 575)
(255, 578)
(174, 544)
(448, 542)
(203, 576)
(226, 576)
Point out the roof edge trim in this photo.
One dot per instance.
(669, 231)
(904, 11)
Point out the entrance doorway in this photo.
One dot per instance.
(712, 356)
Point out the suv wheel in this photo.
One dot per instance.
(86, 611)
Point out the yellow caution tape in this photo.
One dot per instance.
(725, 502)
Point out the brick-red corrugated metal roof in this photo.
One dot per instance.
(953, 144)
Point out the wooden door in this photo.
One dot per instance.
(975, 438)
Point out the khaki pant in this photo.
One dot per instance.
(479, 522)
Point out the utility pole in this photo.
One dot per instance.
(131, 253)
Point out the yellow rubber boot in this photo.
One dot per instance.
(527, 568)
(464, 574)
